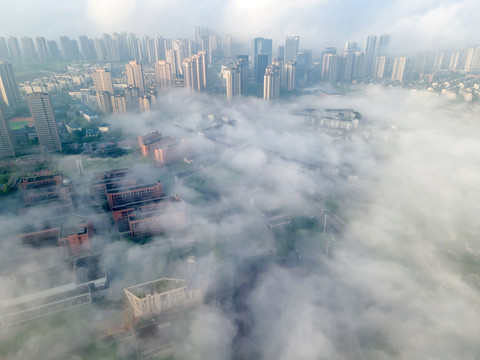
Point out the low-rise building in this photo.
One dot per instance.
(163, 149)
(130, 194)
(150, 217)
(182, 288)
(70, 233)
(31, 294)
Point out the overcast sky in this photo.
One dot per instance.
(414, 25)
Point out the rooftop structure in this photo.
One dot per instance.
(125, 195)
(71, 233)
(152, 298)
(150, 217)
(58, 287)
(37, 182)
(163, 149)
(332, 121)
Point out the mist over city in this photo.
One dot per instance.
(239, 180)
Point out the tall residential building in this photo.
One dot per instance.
(42, 113)
(104, 99)
(164, 75)
(198, 32)
(421, 63)
(195, 72)
(271, 83)
(212, 48)
(400, 66)
(278, 62)
(370, 48)
(181, 52)
(261, 46)
(456, 61)
(473, 59)
(304, 64)
(189, 74)
(131, 97)
(100, 51)
(133, 47)
(159, 45)
(6, 144)
(14, 48)
(261, 64)
(88, 52)
(330, 68)
(442, 60)
(69, 48)
(29, 53)
(102, 80)
(351, 46)
(346, 66)
(292, 45)
(3, 49)
(151, 55)
(204, 44)
(53, 50)
(42, 48)
(232, 77)
(358, 68)
(135, 76)
(121, 38)
(202, 66)
(290, 75)
(112, 48)
(227, 46)
(171, 59)
(147, 101)
(119, 104)
(381, 65)
(8, 85)
(242, 63)
(382, 45)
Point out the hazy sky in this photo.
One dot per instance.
(434, 24)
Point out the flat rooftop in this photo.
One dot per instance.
(131, 188)
(136, 204)
(156, 287)
(57, 279)
(39, 178)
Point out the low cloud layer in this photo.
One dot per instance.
(395, 277)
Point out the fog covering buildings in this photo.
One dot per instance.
(381, 245)
(328, 225)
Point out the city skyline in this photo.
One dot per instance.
(436, 24)
(230, 180)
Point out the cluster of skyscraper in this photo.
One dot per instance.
(117, 47)
(273, 72)
(467, 60)
(354, 62)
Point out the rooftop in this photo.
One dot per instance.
(132, 188)
(156, 287)
(138, 204)
(39, 178)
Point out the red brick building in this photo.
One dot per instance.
(71, 233)
(38, 182)
(130, 194)
(145, 218)
(164, 150)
